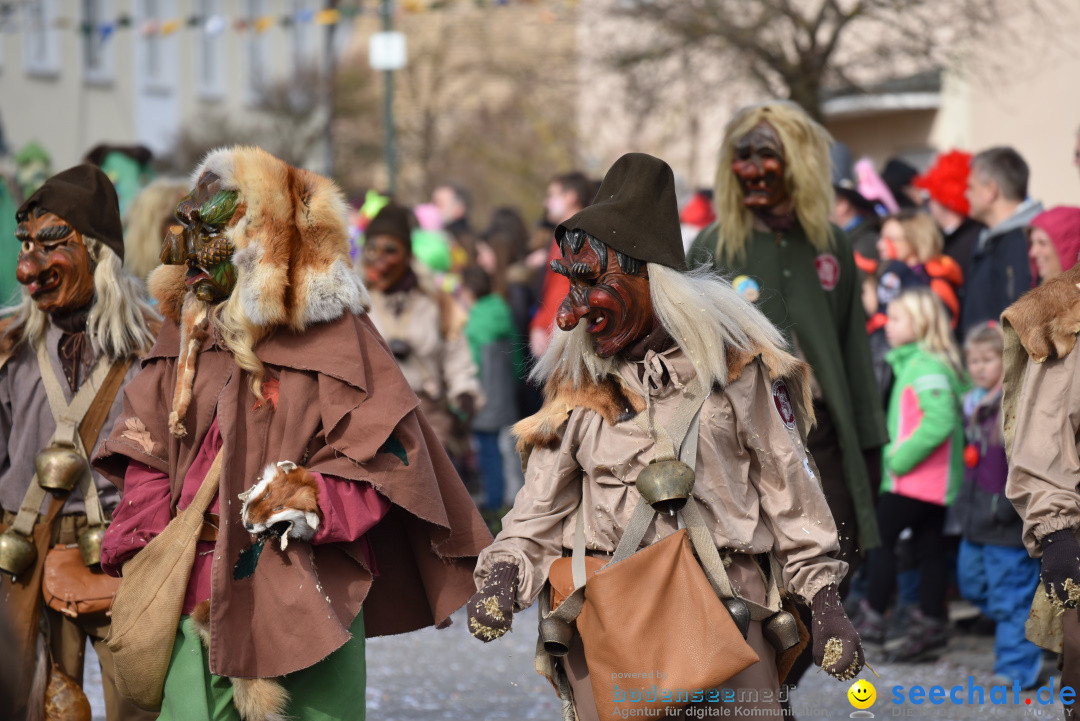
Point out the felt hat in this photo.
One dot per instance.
(393, 219)
(635, 212)
(86, 199)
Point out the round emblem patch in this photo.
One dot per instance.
(782, 399)
(828, 270)
(747, 287)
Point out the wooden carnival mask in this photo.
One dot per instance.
(199, 240)
(386, 259)
(759, 165)
(54, 262)
(609, 289)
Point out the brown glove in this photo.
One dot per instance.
(837, 647)
(1060, 569)
(491, 609)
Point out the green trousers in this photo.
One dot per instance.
(331, 690)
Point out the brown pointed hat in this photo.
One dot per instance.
(635, 212)
(85, 198)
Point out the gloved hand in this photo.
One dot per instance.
(284, 502)
(837, 647)
(1061, 567)
(491, 609)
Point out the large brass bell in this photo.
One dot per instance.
(740, 614)
(16, 552)
(556, 635)
(666, 485)
(781, 630)
(59, 468)
(90, 545)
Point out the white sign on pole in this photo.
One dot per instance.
(387, 51)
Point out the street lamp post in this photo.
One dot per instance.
(388, 109)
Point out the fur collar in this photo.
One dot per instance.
(616, 402)
(292, 248)
(1047, 319)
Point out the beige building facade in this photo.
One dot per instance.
(69, 89)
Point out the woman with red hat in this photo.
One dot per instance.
(1053, 242)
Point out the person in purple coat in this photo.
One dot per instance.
(993, 568)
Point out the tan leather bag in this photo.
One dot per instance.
(72, 588)
(147, 606)
(655, 611)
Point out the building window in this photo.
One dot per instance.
(157, 52)
(257, 54)
(41, 44)
(97, 48)
(303, 35)
(210, 69)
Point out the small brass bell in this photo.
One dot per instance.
(556, 635)
(781, 630)
(59, 469)
(740, 614)
(16, 552)
(90, 545)
(666, 485)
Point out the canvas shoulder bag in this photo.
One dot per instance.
(147, 606)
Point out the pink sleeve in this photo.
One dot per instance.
(143, 512)
(350, 509)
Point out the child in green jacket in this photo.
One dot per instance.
(922, 466)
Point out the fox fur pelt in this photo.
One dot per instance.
(613, 400)
(291, 241)
(257, 699)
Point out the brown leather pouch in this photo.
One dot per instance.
(561, 577)
(72, 588)
(656, 613)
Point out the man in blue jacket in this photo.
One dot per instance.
(1000, 271)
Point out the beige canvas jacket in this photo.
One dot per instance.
(440, 364)
(1040, 411)
(755, 483)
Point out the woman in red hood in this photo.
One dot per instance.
(1053, 242)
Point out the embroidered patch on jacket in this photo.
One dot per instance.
(782, 400)
(828, 270)
(747, 287)
(138, 433)
(393, 445)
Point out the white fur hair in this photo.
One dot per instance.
(699, 309)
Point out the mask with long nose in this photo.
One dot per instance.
(608, 290)
(199, 241)
(54, 263)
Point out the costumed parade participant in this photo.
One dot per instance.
(424, 327)
(1040, 411)
(664, 388)
(773, 236)
(268, 371)
(65, 353)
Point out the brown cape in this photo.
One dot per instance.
(343, 409)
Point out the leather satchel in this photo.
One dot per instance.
(72, 588)
(656, 612)
(146, 609)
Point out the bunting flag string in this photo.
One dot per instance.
(12, 21)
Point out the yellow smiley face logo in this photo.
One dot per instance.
(862, 694)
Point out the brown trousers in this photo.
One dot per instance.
(1070, 657)
(68, 636)
(757, 687)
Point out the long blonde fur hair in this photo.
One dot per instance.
(930, 321)
(142, 226)
(705, 316)
(119, 321)
(807, 172)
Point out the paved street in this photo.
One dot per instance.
(432, 675)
